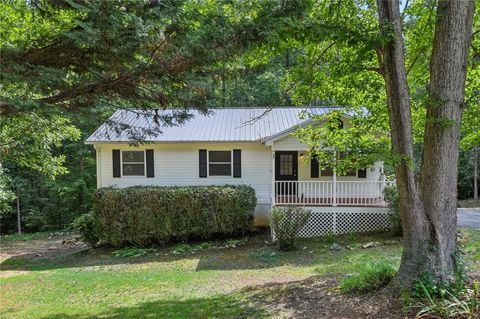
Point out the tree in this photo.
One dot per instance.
(66, 62)
(349, 63)
(428, 206)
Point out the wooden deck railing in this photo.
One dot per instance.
(329, 193)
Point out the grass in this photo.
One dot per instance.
(369, 277)
(218, 280)
(25, 236)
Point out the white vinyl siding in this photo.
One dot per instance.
(177, 164)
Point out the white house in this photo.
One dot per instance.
(242, 146)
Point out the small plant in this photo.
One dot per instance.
(186, 248)
(85, 226)
(391, 197)
(287, 223)
(444, 303)
(181, 249)
(132, 252)
(233, 243)
(370, 277)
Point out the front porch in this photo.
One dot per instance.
(330, 193)
(299, 180)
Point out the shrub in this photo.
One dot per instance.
(391, 197)
(286, 223)
(370, 277)
(85, 226)
(148, 215)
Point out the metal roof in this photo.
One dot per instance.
(218, 125)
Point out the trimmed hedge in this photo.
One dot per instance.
(147, 215)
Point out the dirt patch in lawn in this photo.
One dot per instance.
(319, 297)
(39, 249)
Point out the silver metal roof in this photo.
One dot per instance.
(218, 125)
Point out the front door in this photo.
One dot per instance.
(286, 169)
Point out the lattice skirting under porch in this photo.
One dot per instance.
(341, 220)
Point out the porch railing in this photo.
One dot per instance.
(329, 193)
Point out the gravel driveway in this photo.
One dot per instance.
(469, 218)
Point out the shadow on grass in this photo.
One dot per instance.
(229, 306)
(314, 297)
(255, 254)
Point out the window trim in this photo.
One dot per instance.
(231, 163)
(144, 164)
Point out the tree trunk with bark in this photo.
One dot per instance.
(475, 173)
(428, 208)
(19, 219)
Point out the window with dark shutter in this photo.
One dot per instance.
(362, 173)
(237, 163)
(219, 163)
(314, 167)
(116, 163)
(202, 163)
(133, 163)
(149, 156)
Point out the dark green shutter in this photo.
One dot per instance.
(202, 163)
(237, 163)
(314, 167)
(150, 163)
(116, 163)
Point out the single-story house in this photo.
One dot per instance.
(252, 146)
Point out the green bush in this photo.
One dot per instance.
(147, 215)
(391, 197)
(286, 223)
(369, 277)
(85, 226)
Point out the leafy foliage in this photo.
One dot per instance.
(445, 300)
(85, 226)
(69, 64)
(369, 277)
(146, 215)
(391, 197)
(286, 223)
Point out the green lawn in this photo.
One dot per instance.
(24, 236)
(209, 282)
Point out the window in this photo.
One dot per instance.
(326, 171)
(219, 163)
(133, 163)
(286, 164)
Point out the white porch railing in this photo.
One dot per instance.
(329, 193)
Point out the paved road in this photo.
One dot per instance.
(469, 217)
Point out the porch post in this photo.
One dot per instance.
(334, 182)
(334, 188)
(272, 192)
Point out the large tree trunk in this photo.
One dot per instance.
(429, 210)
(475, 173)
(414, 222)
(19, 219)
(438, 179)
